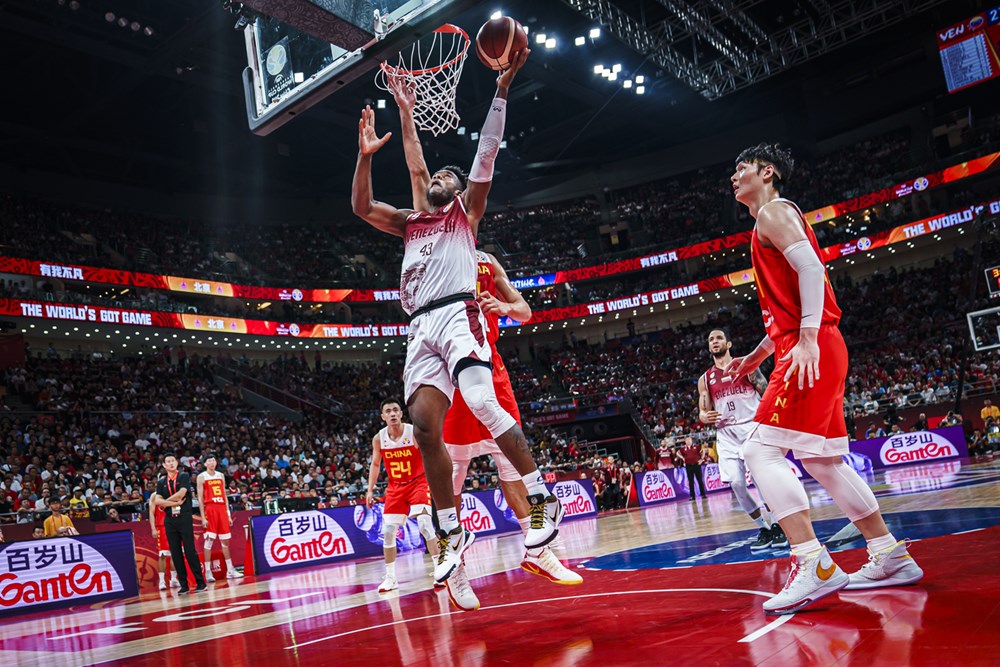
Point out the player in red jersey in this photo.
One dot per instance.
(729, 404)
(216, 517)
(157, 516)
(407, 493)
(446, 346)
(466, 438)
(802, 409)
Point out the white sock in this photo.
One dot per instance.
(448, 519)
(390, 569)
(229, 565)
(524, 521)
(761, 523)
(884, 543)
(533, 482)
(807, 549)
(161, 577)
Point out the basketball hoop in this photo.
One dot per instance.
(432, 66)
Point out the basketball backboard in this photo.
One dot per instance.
(290, 68)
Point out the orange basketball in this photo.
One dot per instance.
(498, 42)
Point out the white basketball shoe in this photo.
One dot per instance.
(892, 567)
(451, 546)
(388, 584)
(545, 514)
(810, 580)
(548, 566)
(460, 590)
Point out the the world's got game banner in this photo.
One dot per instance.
(64, 571)
(303, 539)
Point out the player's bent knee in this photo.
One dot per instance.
(209, 542)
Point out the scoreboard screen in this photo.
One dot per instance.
(993, 281)
(969, 50)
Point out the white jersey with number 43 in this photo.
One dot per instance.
(439, 256)
(735, 400)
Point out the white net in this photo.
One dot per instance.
(431, 67)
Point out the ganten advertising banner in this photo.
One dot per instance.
(64, 571)
(301, 539)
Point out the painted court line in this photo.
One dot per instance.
(776, 623)
(557, 599)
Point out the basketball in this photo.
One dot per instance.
(498, 41)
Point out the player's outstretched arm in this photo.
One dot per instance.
(404, 93)
(782, 228)
(707, 413)
(481, 174)
(374, 469)
(381, 216)
(741, 366)
(511, 303)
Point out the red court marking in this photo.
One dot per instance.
(952, 617)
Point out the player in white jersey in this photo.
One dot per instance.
(446, 345)
(730, 406)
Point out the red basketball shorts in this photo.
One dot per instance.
(461, 427)
(809, 421)
(218, 521)
(162, 546)
(405, 499)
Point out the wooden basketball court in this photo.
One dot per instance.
(672, 584)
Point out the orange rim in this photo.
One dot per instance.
(447, 28)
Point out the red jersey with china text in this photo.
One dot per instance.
(778, 285)
(402, 456)
(161, 517)
(486, 283)
(214, 489)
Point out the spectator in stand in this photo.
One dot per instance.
(952, 419)
(691, 453)
(38, 533)
(78, 508)
(874, 431)
(58, 524)
(921, 423)
(989, 411)
(115, 517)
(978, 445)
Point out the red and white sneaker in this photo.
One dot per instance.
(811, 579)
(460, 590)
(388, 584)
(893, 567)
(548, 566)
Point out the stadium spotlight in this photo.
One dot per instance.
(122, 22)
(380, 104)
(613, 76)
(147, 31)
(550, 43)
(540, 38)
(595, 33)
(640, 90)
(474, 136)
(497, 14)
(135, 25)
(640, 79)
(598, 69)
(627, 83)
(616, 69)
(503, 144)
(461, 131)
(110, 17)
(580, 41)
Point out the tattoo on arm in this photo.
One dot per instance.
(758, 381)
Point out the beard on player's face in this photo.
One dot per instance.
(439, 194)
(721, 352)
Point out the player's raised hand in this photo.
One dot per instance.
(368, 140)
(404, 91)
(804, 356)
(507, 76)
